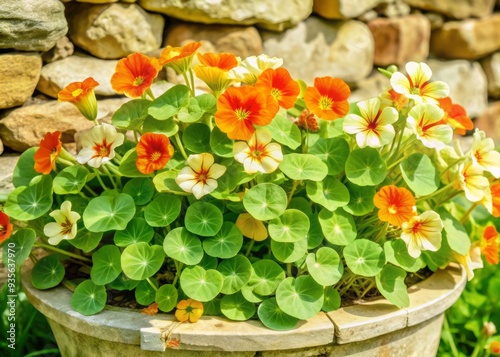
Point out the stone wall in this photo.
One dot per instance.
(46, 44)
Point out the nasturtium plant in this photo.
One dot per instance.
(263, 197)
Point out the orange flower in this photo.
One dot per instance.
(179, 58)
(213, 70)
(495, 195)
(153, 152)
(82, 96)
(328, 98)
(395, 204)
(456, 116)
(495, 347)
(134, 74)
(280, 85)
(5, 227)
(240, 108)
(489, 244)
(390, 98)
(189, 310)
(47, 153)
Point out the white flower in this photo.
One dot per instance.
(424, 120)
(200, 176)
(473, 181)
(484, 154)
(99, 145)
(251, 67)
(65, 225)
(259, 153)
(422, 233)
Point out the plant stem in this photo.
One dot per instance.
(92, 192)
(57, 250)
(249, 249)
(292, 191)
(289, 269)
(179, 145)
(105, 169)
(178, 268)
(152, 284)
(469, 211)
(98, 176)
(448, 336)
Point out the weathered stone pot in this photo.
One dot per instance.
(375, 328)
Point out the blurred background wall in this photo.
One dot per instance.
(46, 44)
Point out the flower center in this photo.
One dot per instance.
(3, 229)
(415, 90)
(77, 92)
(102, 150)
(155, 156)
(241, 113)
(276, 93)
(53, 154)
(138, 81)
(416, 227)
(325, 103)
(66, 227)
(478, 156)
(203, 176)
(392, 209)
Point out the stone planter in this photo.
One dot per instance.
(375, 328)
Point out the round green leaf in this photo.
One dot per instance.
(365, 167)
(251, 295)
(140, 260)
(89, 298)
(226, 243)
(141, 189)
(105, 265)
(30, 202)
(203, 218)
(23, 240)
(302, 204)
(285, 132)
(86, 240)
(265, 201)
(396, 252)
(165, 182)
(361, 199)
(200, 284)
(300, 297)
(364, 257)
(271, 315)
(107, 213)
(289, 252)
(196, 138)
(131, 115)
(168, 127)
(212, 307)
(391, 284)
(332, 299)
(169, 103)
(333, 152)
(123, 283)
(325, 266)
(163, 210)
(184, 246)
(338, 227)
(236, 273)
(25, 168)
(220, 144)
(166, 297)
(291, 226)
(70, 180)
(47, 272)
(460, 241)
(266, 276)
(330, 193)
(315, 235)
(137, 230)
(303, 167)
(144, 293)
(128, 166)
(419, 174)
(236, 308)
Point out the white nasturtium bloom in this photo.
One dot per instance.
(472, 181)
(374, 127)
(416, 84)
(64, 227)
(424, 120)
(200, 176)
(259, 154)
(99, 145)
(484, 154)
(471, 261)
(422, 232)
(251, 67)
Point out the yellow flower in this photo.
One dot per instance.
(422, 233)
(471, 261)
(415, 85)
(189, 310)
(251, 68)
(65, 225)
(251, 227)
(424, 120)
(472, 181)
(484, 154)
(373, 128)
(200, 176)
(259, 153)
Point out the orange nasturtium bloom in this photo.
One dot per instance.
(456, 116)
(189, 310)
(5, 227)
(395, 204)
(495, 347)
(391, 98)
(153, 152)
(240, 108)
(495, 196)
(328, 98)
(280, 85)
(214, 69)
(134, 74)
(179, 58)
(489, 244)
(82, 96)
(47, 153)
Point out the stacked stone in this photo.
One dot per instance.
(47, 44)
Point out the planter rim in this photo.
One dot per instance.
(363, 321)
